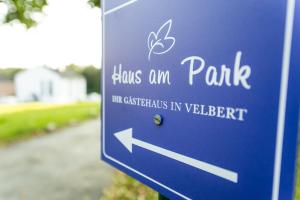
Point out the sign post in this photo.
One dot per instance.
(162, 197)
(201, 97)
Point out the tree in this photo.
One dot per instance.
(90, 73)
(93, 78)
(9, 73)
(95, 3)
(22, 10)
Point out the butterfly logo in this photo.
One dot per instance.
(160, 42)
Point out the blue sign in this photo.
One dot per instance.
(200, 97)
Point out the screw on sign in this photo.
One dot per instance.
(158, 120)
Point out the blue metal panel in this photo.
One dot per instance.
(233, 67)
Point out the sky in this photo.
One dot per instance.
(69, 32)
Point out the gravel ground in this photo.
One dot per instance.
(63, 165)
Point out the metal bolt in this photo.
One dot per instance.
(158, 120)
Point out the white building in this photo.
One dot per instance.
(46, 85)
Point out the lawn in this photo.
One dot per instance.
(297, 189)
(26, 120)
(127, 188)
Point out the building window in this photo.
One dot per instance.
(50, 88)
(46, 88)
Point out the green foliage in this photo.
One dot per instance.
(127, 188)
(22, 10)
(297, 190)
(95, 3)
(28, 122)
(74, 68)
(9, 73)
(91, 74)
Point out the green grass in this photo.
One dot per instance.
(126, 188)
(28, 120)
(297, 189)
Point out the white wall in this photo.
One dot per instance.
(31, 84)
(72, 89)
(34, 84)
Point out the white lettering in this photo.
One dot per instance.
(159, 77)
(192, 63)
(241, 73)
(240, 76)
(126, 77)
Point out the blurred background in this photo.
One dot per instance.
(50, 69)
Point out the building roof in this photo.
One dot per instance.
(66, 74)
(70, 75)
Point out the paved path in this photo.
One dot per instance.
(60, 166)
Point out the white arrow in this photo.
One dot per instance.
(125, 137)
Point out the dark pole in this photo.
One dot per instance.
(162, 197)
